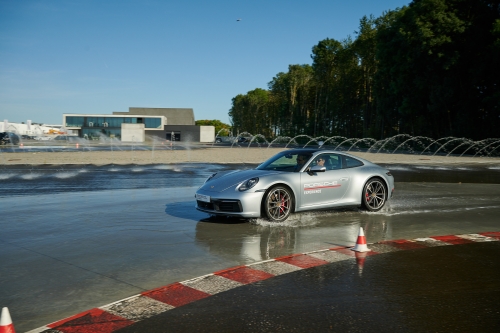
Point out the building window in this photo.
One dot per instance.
(152, 123)
(74, 121)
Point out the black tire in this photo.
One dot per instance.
(278, 203)
(374, 195)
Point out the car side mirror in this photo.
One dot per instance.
(317, 168)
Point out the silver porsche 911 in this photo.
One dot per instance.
(296, 180)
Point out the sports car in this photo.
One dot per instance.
(297, 180)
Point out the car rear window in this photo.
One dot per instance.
(351, 162)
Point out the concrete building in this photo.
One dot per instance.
(139, 124)
(175, 116)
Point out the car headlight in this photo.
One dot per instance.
(248, 184)
(212, 176)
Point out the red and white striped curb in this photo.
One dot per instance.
(114, 316)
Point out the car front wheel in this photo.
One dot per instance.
(374, 195)
(278, 204)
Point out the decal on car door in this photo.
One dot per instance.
(312, 188)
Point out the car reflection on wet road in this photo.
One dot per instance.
(417, 210)
(75, 239)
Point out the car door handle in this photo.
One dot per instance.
(343, 179)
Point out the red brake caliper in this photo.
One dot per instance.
(282, 204)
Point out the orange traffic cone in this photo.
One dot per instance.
(361, 242)
(6, 325)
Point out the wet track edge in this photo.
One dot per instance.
(145, 310)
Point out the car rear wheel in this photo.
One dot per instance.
(374, 195)
(278, 204)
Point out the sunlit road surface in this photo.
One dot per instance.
(74, 239)
(440, 288)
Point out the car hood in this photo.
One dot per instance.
(227, 180)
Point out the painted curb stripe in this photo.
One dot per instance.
(112, 317)
(303, 261)
(404, 244)
(275, 267)
(452, 239)
(212, 284)
(137, 308)
(245, 275)
(176, 294)
(95, 320)
(430, 242)
(494, 234)
(330, 256)
(477, 238)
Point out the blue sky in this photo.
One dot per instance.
(102, 56)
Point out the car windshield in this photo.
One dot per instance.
(286, 161)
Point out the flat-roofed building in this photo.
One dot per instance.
(139, 123)
(175, 116)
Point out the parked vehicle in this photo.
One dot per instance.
(9, 138)
(225, 139)
(243, 139)
(69, 138)
(231, 139)
(43, 138)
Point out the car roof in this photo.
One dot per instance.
(315, 150)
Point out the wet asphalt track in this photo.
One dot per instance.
(85, 237)
(438, 289)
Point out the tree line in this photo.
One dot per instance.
(431, 68)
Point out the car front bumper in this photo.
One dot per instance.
(242, 204)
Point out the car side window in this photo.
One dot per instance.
(351, 162)
(318, 161)
(329, 161)
(334, 162)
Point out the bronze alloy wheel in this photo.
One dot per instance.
(278, 204)
(374, 195)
